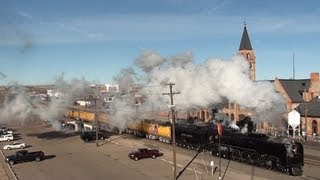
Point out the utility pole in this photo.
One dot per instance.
(96, 104)
(173, 129)
(305, 115)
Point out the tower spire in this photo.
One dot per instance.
(245, 43)
(245, 49)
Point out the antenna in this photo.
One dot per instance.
(293, 69)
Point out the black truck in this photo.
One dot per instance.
(25, 156)
(91, 135)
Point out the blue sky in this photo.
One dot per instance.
(40, 40)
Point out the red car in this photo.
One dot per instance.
(144, 153)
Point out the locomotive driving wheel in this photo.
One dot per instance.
(254, 160)
(276, 163)
(236, 155)
(245, 156)
(266, 162)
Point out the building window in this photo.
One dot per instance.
(202, 116)
(314, 127)
(232, 117)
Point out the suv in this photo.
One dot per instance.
(91, 135)
(6, 137)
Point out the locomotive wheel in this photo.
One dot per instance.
(254, 160)
(295, 171)
(245, 157)
(265, 162)
(276, 163)
(236, 155)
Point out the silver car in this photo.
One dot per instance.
(15, 145)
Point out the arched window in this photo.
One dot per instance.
(232, 117)
(248, 56)
(202, 115)
(314, 127)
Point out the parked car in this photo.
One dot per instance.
(3, 131)
(144, 153)
(15, 145)
(91, 135)
(25, 156)
(316, 138)
(6, 137)
(6, 130)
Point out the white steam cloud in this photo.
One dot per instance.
(200, 86)
(21, 106)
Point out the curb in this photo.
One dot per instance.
(9, 167)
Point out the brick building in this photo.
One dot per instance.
(303, 96)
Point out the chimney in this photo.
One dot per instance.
(314, 77)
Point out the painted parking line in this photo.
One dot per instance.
(179, 165)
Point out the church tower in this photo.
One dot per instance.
(246, 50)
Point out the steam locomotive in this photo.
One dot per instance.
(253, 148)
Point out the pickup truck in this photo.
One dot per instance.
(25, 156)
(144, 153)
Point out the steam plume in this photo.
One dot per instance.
(203, 85)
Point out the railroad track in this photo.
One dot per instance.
(312, 160)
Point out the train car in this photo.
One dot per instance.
(157, 130)
(151, 129)
(135, 128)
(86, 115)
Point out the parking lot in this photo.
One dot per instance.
(68, 157)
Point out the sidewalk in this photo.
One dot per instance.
(5, 169)
(3, 173)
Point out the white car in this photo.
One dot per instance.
(15, 145)
(6, 137)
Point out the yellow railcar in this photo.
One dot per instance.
(137, 126)
(164, 131)
(157, 130)
(86, 115)
(153, 129)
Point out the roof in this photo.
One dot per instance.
(245, 43)
(313, 108)
(295, 88)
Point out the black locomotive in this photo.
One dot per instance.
(253, 148)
